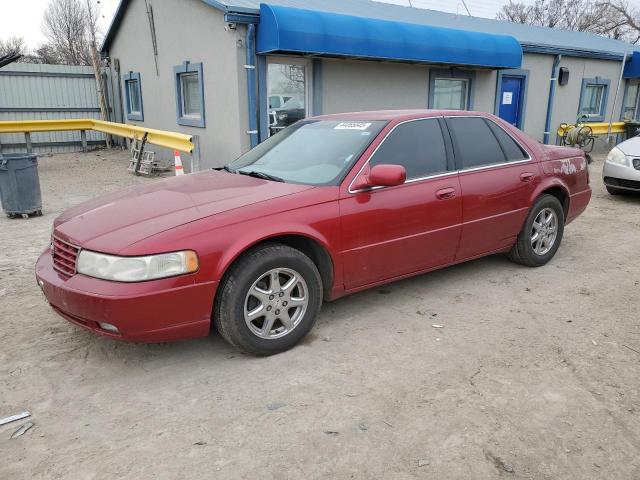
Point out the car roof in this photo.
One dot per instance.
(389, 115)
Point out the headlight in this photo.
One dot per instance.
(136, 269)
(616, 156)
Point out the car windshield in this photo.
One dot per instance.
(312, 152)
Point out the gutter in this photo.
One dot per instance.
(615, 98)
(552, 92)
(250, 67)
(569, 52)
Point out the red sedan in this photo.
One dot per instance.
(329, 206)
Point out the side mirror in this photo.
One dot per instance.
(387, 176)
(381, 176)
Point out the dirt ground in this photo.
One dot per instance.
(535, 373)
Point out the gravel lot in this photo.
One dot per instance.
(534, 375)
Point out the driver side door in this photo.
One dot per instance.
(389, 232)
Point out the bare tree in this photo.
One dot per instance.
(590, 16)
(13, 46)
(91, 19)
(515, 12)
(66, 26)
(46, 54)
(631, 16)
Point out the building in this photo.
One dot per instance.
(235, 71)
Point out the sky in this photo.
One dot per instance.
(23, 18)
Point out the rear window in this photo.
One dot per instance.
(512, 150)
(476, 145)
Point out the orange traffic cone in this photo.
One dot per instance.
(178, 163)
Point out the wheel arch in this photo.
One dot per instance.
(558, 190)
(562, 195)
(313, 248)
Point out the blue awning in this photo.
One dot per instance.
(632, 68)
(298, 31)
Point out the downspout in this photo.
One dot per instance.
(615, 98)
(552, 92)
(250, 66)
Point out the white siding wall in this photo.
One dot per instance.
(363, 85)
(194, 31)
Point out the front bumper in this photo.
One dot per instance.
(620, 176)
(155, 311)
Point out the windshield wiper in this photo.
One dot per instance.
(264, 176)
(225, 168)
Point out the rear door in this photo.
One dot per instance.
(393, 231)
(497, 178)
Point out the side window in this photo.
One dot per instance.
(512, 150)
(450, 93)
(189, 94)
(417, 145)
(133, 96)
(593, 98)
(475, 144)
(629, 109)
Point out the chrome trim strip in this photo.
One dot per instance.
(486, 167)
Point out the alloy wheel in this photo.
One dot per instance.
(276, 303)
(544, 231)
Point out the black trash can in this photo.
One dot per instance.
(20, 185)
(631, 129)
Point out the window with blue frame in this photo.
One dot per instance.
(451, 89)
(593, 99)
(189, 94)
(133, 96)
(630, 103)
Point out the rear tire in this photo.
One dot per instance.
(269, 300)
(541, 234)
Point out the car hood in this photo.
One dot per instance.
(630, 147)
(111, 222)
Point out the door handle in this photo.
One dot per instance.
(446, 193)
(526, 177)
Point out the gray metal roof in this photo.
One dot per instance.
(547, 40)
(532, 39)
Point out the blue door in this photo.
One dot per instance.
(510, 100)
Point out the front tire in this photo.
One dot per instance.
(542, 233)
(269, 300)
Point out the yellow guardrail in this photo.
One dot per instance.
(172, 140)
(597, 128)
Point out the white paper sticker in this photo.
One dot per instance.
(352, 126)
(507, 98)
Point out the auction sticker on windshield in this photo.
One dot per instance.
(352, 126)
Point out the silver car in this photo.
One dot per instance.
(621, 172)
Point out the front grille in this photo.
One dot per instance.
(64, 257)
(622, 182)
(636, 163)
